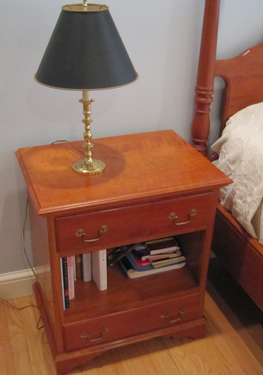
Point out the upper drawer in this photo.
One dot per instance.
(134, 223)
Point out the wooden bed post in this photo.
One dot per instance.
(204, 88)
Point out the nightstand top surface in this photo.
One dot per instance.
(139, 167)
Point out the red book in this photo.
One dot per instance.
(139, 261)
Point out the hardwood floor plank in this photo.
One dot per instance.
(134, 363)
(218, 354)
(157, 355)
(198, 357)
(241, 312)
(180, 356)
(120, 362)
(243, 355)
(19, 347)
(87, 369)
(37, 359)
(105, 364)
(41, 338)
(6, 359)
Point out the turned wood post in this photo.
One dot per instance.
(205, 77)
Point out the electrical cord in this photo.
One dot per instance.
(14, 308)
(71, 145)
(8, 304)
(24, 240)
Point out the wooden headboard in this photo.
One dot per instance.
(243, 76)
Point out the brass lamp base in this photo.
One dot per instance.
(91, 168)
(88, 165)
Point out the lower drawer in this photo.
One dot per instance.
(129, 323)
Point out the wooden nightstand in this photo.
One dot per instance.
(147, 177)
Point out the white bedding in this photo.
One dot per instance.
(240, 150)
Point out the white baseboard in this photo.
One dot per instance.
(17, 284)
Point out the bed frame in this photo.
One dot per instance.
(241, 254)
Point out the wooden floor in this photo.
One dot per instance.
(233, 342)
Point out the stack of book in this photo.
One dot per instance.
(152, 257)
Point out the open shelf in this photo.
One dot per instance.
(123, 293)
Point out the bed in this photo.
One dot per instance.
(237, 240)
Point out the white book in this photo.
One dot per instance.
(86, 266)
(99, 268)
(71, 278)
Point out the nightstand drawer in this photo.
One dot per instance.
(86, 232)
(121, 325)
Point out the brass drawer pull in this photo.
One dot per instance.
(86, 336)
(174, 217)
(81, 233)
(169, 320)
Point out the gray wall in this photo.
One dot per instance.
(162, 38)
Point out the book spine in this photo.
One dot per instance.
(86, 267)
(62, 283)
(71, 278)
(65, 281)
(167, 262)
(164, 250)
(163, 255)
(78, 260)
(99, 268)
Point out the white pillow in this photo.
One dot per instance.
(240, 150)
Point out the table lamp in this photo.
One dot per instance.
(85, 52)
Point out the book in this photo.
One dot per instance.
(78, 262)
(71, 276)
(132, 260)
(86, 267)
(65, 282)
(174, 254)
(162, 245)
(131, 273)
(99, 268)
(167, 261)
(62, 284)
(139, 261)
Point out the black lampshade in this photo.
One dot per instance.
(85, 51)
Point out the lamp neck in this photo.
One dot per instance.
(88, 165)
(87, 121)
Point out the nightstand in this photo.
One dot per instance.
(151, 186)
